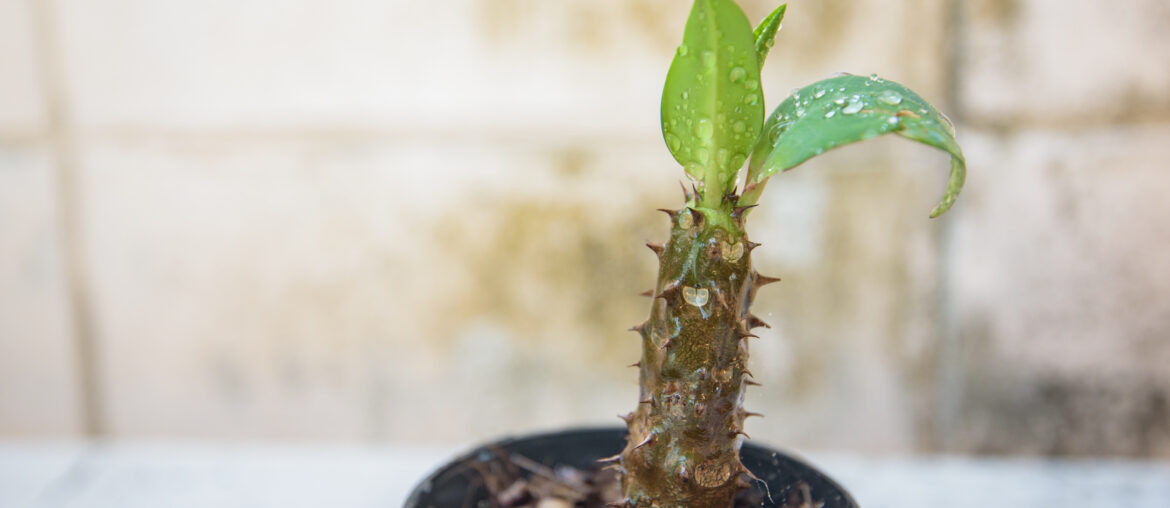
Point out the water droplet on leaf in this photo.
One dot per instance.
(855, 105)
(890, 97)
(709, 59)
(704, 129)
(738, 74)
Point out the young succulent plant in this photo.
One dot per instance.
(684, 437)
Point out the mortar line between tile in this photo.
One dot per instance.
(63, 145)
(949, 381)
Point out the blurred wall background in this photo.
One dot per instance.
(409, 221)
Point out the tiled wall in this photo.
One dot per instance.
(422, 221)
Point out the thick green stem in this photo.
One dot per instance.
(683, 448)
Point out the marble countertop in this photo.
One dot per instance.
(248, 475)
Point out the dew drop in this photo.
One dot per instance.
(739, 126)
(673, 142)
(703, 155)
(683, 50)
(855, 105)
(704, 129)
(839, 101)
(685, 220)
(737, 160)
(890, 97)
(751, 99)
(819, 94)
(831, 113)
(686, 95)
(709, 59)
(722, 157)
(697, 297)
(751, 84)
(738, 74)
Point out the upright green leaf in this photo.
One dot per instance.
(712, 105)
(842, 110)
(765, 32)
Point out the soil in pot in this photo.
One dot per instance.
(560, 470)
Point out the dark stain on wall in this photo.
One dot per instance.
(550, 268)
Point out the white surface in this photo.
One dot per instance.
(218, 475)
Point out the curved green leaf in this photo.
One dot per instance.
(842, 110)
(712, 105)
(765, 32)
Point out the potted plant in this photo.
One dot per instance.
(683, 440)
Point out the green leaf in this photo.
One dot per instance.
(765, 32)
(842, 110)
(712, 105)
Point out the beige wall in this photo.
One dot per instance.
(422, 221)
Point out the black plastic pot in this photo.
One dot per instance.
(788, 479)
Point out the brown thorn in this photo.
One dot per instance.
(672, 213)
(686, 194)
(749, 414)
(763, 280)
(740, 433)
(628, 417)
(637, 328)
(750, 246)
(612, 458)
(748, 372)
(649, 439)
(616, 467)
(737, 212)
(697, 216)
(755, 322)
(656, 247)
(743, 469)
(635, 364)
(751, 383)
(744, 332)
(647, 401)
(669, 290)
(731, 197)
